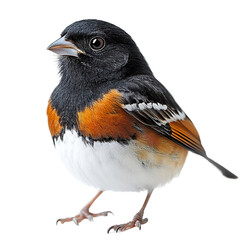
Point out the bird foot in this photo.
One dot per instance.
(84, 214)
(137, 221)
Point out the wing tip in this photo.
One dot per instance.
(230, 175)
(224, 171)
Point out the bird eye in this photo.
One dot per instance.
(97, 43)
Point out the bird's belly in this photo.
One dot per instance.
(115, 166)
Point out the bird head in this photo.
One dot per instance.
(100, 48)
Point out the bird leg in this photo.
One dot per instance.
(137, 221)
(85, 213)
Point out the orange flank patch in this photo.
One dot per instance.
(53, 121)
(106, 119)
(155, 140)
(155, 149)
(185, 132)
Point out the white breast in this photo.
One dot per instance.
(111, 165)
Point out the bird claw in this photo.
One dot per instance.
(89, 217)
(105, 213)
(59, 220)
(75, 221)
(138, 224)
(63, 220)
(84, 214)
(123, 227)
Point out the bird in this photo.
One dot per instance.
(115, 126)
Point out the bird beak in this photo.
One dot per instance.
(65, 47)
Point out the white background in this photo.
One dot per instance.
(193, 48)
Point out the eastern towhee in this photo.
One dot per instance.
(115, 125)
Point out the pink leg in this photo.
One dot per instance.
(85, 213)
(137, 221)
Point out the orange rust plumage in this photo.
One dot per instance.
(185, 132)
(53, 121)
(106, 119)
(166, 149)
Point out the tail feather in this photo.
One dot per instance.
(224, 171)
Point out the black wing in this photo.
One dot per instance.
(149, 102)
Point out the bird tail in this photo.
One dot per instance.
(224, 171)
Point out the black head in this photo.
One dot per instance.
(98, 50)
